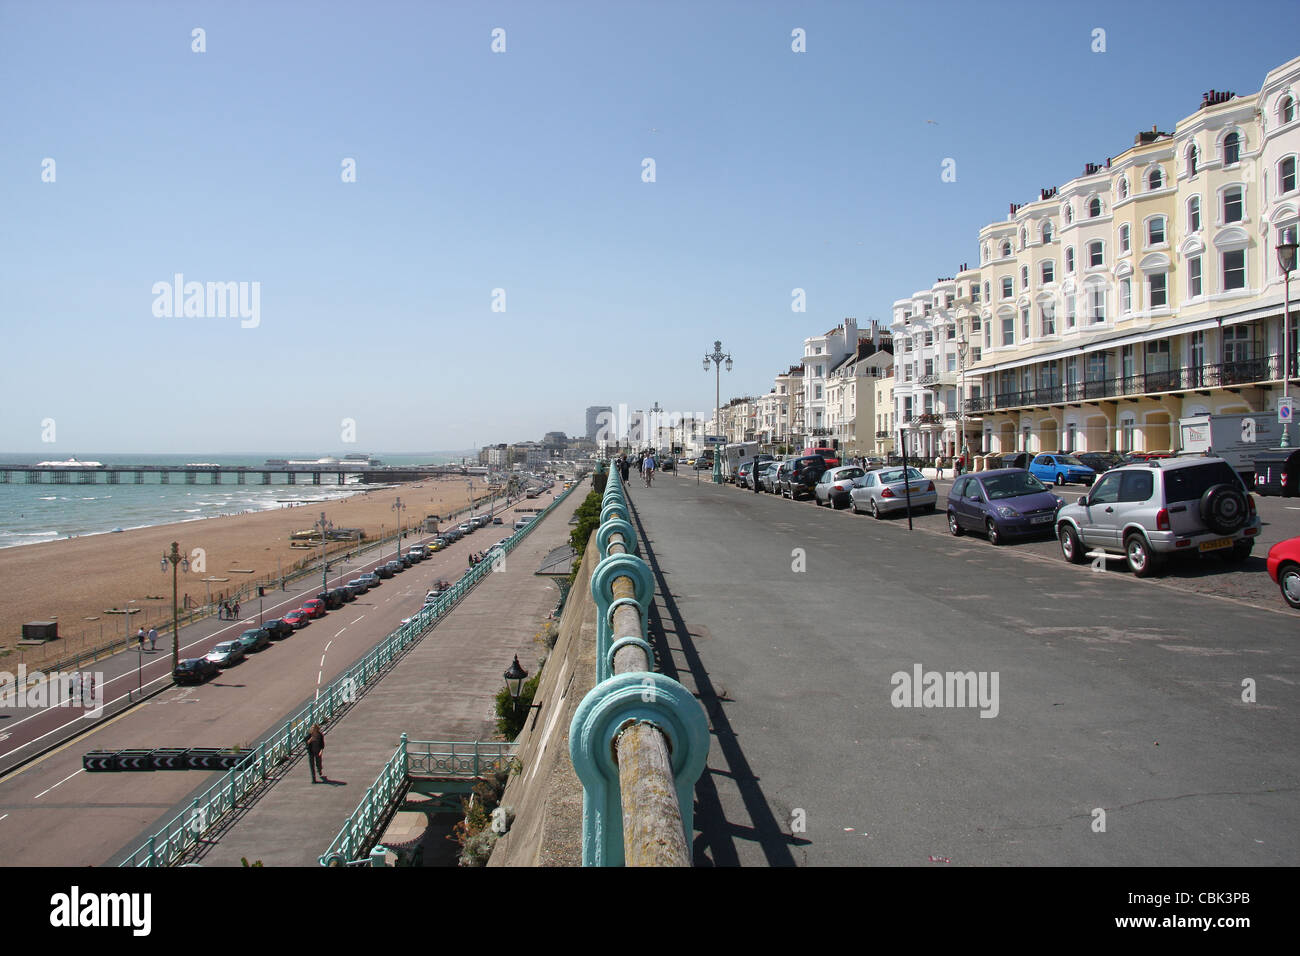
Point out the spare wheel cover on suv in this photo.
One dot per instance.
(1223, 508)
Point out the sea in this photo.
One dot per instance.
(30, 514)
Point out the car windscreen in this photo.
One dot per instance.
(1188, 484)
(845, 474)
(1067, 460)
(1012, 486)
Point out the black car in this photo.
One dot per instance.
(330, 599)
(407, 560)
(1100, 461)
(383, 571)
(344, 594)
(278, 628)
(195, 670)
(801, 476)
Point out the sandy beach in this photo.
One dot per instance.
(74, 581)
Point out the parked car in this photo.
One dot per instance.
(1284, 568)
(742, 474)
(255, 639)
(298, 619)
(383, 572)
(358, 586)
(522, 522)
(226, 653)
(800, 477)
(1148, 511)
(1061, 469)
(314, 607)
(872, 464)
(343, 594)
(1101, 461)
(465, 528)
(826, 453)
(277, 628)
(496, 519)
(1002, 503)
(372, 579)
(333, 599)
(395, 566)
(886, 490)
(194, 670)
(770, 477)
(834, 485)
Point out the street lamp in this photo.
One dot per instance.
(515, 676)
(717, 357)
(176, 558)
(398, 507)
(1286, 260)
(324, 526)
(963, 345)
(654, 429)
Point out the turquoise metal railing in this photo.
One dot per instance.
(413, 758)
(185, 831)
(639, 740)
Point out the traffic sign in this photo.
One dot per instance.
(715, 439)
(1284, 410)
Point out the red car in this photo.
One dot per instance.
(315, 607)
(1284, 568)
(829, 455)
(298, 618)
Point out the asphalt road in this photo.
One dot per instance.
(54, 813)
(1120, 701)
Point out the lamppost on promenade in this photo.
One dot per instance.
(398, 507)
(514, 678)
(176, 558)
(1286, 259)
(717, 357)
(324, 526)
(654, 429)
(963, 447)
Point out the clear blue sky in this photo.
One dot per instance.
(521, 171)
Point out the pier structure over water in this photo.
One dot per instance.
(225, 474)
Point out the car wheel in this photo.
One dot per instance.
(953, 526)
(875, 511)
(1071, 546)
(1060, 479)
(991, 527)
(1288, 582)
(853, 503)
(1141, 560)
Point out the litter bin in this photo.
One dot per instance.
(1277, 472)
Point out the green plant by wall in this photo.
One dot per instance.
(598, 482)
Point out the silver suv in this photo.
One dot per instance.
(1150, 510)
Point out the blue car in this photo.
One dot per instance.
(1059, 469)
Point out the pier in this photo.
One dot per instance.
(217, 474)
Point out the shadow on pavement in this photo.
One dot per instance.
(716, 843)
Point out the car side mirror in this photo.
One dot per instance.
(1083, 500)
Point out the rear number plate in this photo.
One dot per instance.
(1216, 544)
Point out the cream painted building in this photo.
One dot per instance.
(1144, 291)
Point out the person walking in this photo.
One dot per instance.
(938, 467)
(153, 638)
(140, 638)
(236, 610)
(315, 741)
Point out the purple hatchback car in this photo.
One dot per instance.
(1001, 503)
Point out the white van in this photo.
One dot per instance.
(522, 523)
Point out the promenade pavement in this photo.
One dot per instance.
(442, 689)
(791, 624)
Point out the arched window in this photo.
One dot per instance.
(1094, 207)
(986, 292)
(1024, 237)
(1068, 212)
(1191, 160)
(1231, 149)
(984, 252)
(1047, 231)
(1006, 249)
(1123, 187)
(1155, 178)
(1194, 214)
(1124, 237)
(1286, 177)
(1286, 109)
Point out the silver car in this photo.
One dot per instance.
(835, 484)
(227, 653)
(1149, 510)
(885, 490)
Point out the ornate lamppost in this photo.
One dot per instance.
(717, 357)
(398, 507)
(1286, 260)
(176, 558)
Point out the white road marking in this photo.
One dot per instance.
(60, 783)
(1, 818)
(321, 664)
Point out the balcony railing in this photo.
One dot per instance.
(1190, 378)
